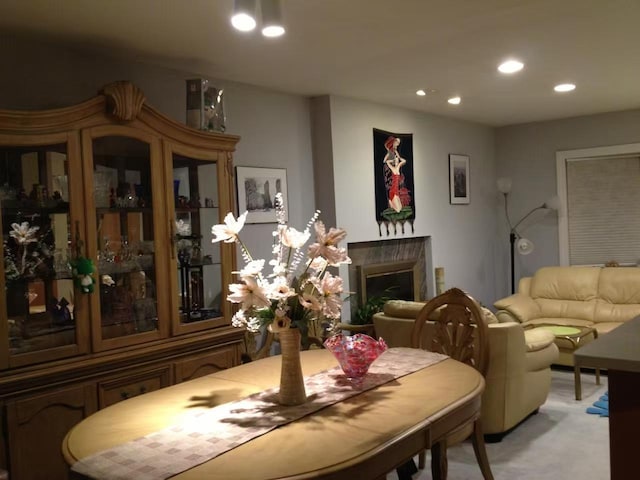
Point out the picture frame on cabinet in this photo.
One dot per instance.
(459, 179)
(256, 190)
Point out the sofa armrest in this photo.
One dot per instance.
(517, 307)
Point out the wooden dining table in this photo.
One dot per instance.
(364, 436)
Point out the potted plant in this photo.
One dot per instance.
(362, 318)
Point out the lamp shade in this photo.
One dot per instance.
(553, 203)
(524, 246)
(244, 15)
(504, 185)
(272, 25)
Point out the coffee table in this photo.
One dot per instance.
(569, 339)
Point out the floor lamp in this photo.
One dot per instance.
(523, 245)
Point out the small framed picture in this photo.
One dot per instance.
(257, 188)
(458, 179)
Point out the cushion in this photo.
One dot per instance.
(489, 316)
(568, 321)
(584, 310)
(403, 308)
(606, 327)
(620, 285)
(566, 283)
(541, 359)
(521, 306)
(538, 339)
(615, 313)
(411, 309)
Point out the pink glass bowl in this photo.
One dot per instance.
(355, 353)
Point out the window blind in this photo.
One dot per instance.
(603, 208)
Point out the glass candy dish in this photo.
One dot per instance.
(355, 353)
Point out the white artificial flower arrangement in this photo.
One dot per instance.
(299, 286)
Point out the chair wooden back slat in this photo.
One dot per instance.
(460, 330)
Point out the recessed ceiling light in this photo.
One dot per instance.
(564, 87)
(243, 22)
(511, 66)
(273, 25)
(421, 93)
(273, 31)
(454, 100)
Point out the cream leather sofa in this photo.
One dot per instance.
(519, 375)
(598, 297)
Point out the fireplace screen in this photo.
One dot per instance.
(398, 280)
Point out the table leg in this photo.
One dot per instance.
(578, 384)
(439, 463)
(597, 376)
(624, 420)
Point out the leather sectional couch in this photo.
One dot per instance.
(598, 297)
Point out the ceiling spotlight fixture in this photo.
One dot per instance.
(454, 100)
(244, 15)
(564, 87)
(272, 25)
(421, 93)
(511, 66)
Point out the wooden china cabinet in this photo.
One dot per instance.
(113, 181)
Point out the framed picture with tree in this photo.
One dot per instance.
(459, 179)
(256, 190)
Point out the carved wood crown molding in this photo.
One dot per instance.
(124, 100)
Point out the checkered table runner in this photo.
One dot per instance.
(207, 434)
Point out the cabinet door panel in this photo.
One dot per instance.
(200, 278)
(37, 229)
(123, 199)
(38, 425)
(126, 209)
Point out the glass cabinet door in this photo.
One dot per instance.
(199, 276)
(40, 300)
(124, 240)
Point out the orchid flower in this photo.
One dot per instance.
(286, 294)
(229, 230)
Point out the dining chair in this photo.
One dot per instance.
(457, 328)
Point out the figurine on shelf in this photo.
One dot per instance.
(83, 270)
(60, 311)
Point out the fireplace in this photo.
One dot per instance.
(399, 280)
(377, 265)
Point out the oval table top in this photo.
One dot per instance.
(366, 435)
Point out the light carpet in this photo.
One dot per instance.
(561, 441)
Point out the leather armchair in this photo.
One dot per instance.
(519, 376)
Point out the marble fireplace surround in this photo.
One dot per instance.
(403, 253)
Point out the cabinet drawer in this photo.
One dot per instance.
(206, 363)
(114, 391)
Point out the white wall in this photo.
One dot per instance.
(527, 154)
(463, 238)
(274, 127)
(276, 131)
